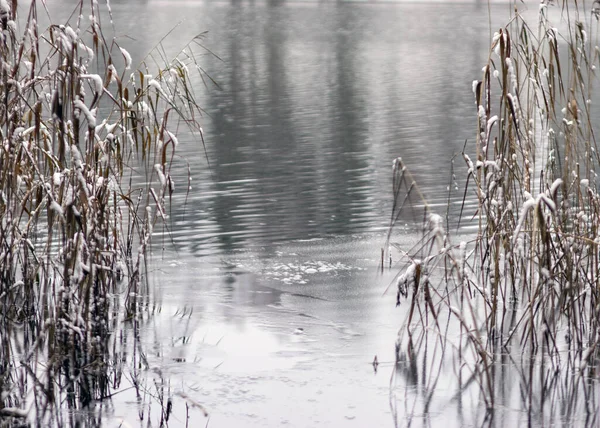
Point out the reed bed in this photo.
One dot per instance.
(513, 306)
(88, 142)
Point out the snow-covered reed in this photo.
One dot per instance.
(75, 123)
(523, 288)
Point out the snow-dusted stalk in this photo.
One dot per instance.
(75, 123)
(528, 281)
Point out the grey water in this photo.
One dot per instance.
(317, 100)
(272, 306)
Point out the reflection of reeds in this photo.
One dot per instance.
(517, 304)
(75, 126)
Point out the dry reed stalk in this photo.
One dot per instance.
(76, 124)
(527, 284)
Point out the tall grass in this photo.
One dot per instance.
(79, 127)
(523, 289)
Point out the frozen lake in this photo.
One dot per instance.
(279, 340)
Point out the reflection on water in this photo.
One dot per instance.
(316, 99)
(316, 102)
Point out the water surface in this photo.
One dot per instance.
(315, 100)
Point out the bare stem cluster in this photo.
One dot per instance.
(79, 127)
(523, 289)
